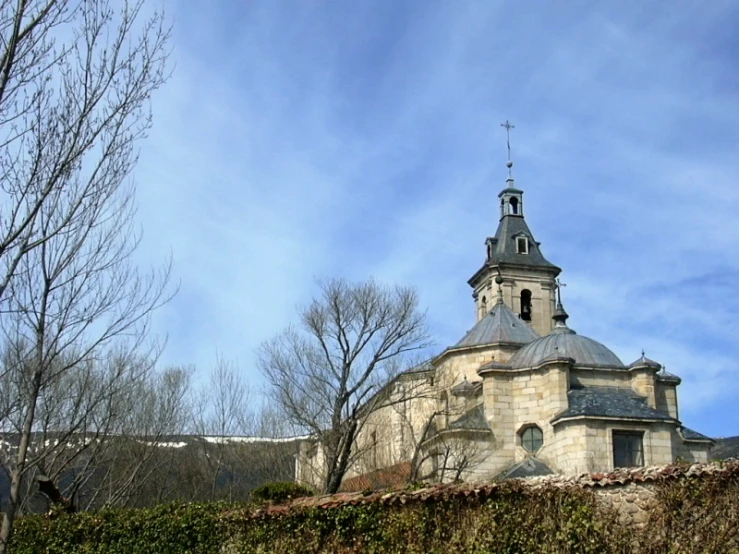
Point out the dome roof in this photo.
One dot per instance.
(500, 325)
(564, 342)
(645, 362)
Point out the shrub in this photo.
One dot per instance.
(690, 515)
(280, 492)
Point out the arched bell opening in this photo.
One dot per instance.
(526, 305)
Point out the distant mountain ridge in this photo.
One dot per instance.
(727, 447)
(179, 467)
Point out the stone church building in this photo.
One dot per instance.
(522, 393)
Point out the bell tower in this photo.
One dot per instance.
(514, 259)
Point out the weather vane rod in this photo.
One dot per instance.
(559, 284)
(509, 164)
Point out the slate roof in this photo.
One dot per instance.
(504, 244)
(492, 365)
(564, 342)
(689, 434)
(609, 402)
(499, 325)
(472, 420)
(530, 467)
(465, 388)
(667, 377)
(644, 361)
(424, 366)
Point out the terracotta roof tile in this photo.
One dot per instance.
(484, 490)
(389, 477)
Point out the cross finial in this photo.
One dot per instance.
(559, 285)
(508, 126)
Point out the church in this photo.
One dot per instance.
(522, 393)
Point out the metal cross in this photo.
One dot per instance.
(508, 126)
(560, 284)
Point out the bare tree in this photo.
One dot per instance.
(451, 454)
(75, 84)
(273, 458)
(326, 374)
(149, 412)
(439, 433)
(448, 441)
(225, 413)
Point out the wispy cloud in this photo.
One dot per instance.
(310, 139)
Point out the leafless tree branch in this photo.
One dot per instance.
(75, 84)
(327, 376)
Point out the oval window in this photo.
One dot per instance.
(532, 439)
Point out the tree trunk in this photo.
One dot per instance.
(17, 473)
(416, 461)
(335, 477)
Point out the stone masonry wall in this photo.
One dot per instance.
(633, 501)
(630, 492)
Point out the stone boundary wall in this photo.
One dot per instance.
(632, 501)
(629, 491)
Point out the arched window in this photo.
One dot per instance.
(514, 205)
(532, 438)
(526, 305)
(484, 307)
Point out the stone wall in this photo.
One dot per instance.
(632, 501)
(390, 434)
(591, 377)
(540, 284)
(630, 492)
(666, 398)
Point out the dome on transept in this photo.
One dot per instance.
(566, 343)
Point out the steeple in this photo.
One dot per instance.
(511, 198)
(527, 277)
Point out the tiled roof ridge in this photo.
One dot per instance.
(387, 477)
(618, 477)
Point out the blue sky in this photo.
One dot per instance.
(311, 138)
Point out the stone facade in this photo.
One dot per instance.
(515, 280)
(521, 385)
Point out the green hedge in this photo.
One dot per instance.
(691, 515)
(280, 492)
